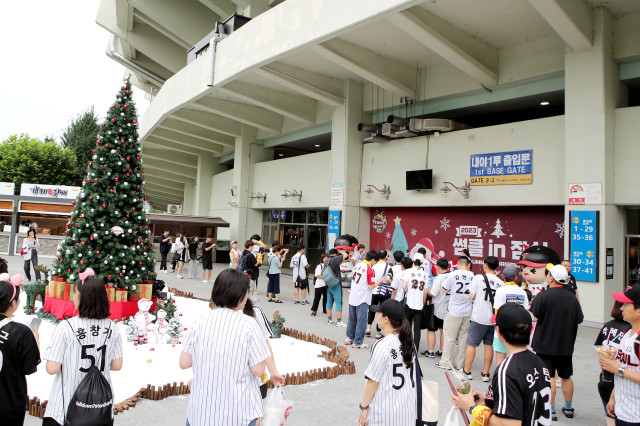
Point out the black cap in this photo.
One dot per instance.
(345, 242)
(631, 295)
(510, 316)
(390, 308)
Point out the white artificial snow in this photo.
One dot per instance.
(291, 356)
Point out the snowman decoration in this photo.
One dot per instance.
(162, 326)
(143, 318)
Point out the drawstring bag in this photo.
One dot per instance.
(92, 402)
(276, 408)
(454, 418)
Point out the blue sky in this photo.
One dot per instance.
(54, 66)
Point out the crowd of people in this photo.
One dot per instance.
(531, 339)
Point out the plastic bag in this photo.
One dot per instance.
(276, 408)
(454, 418)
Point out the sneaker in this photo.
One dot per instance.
(340, 324)
(367, 333)
(348, 341)
(485, 377)
(205, 281)
(554, 416)
(361, 346)
(444, 367)
(378, 336)
(165, 271)
(179, 276)
(304, 302)
(568, 412)
(313, 314)
(329, 320)
(296, 302)
(439, 353)
(429, 354)
(469, 376)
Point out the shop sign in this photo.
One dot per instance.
(609, 264)
(503, 232)
(337, 195)
(585, 193)
(334, 227)
(502, 168)
(583, 245)
(7, 188)
(49, 191)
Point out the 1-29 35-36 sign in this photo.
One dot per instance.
(583, 244)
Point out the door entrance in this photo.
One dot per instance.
(632, 259)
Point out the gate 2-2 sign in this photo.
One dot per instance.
(584, 245)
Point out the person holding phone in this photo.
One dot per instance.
(30, 254)
(19, 355)
(78, 343)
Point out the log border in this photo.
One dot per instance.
(336, 354)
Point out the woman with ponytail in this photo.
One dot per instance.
(390, 391)
(19, 355)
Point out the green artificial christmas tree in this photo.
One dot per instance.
(398, 240)
(108, 229)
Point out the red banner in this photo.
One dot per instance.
(503, 232)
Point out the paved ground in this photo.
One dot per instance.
(335, 402)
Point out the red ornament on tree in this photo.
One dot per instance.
(113, 120)
(104, 206)
(106, 145)
(116, 179)
(102, 124)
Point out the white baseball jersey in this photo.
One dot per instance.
(319, 282)
(510, 292)
(100, 343)
(457, 283)
(224, 344)
(298, 266)
(628, 392)
(362, 278)
(263, 322)
(482, 308)
(380, 270)
(394, 402)
(396, 283)
(416, 281)
(440, 298)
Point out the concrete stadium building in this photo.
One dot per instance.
(519, 118)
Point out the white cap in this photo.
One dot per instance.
(418, 256)
(559, 273)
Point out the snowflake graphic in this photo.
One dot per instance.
(414, 232)
(560, 230)
(444, 223)
(388, 235)
(436, 231)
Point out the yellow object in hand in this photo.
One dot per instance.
(481, 416)
(265, 378)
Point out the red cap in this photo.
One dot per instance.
(631, 295)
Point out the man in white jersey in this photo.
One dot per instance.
(441, 304)
(509, 292)
(481, 329)
(362, 283)
(414, 284)
(397, 272)
(625, 398)
(456, 322)
(383, 290)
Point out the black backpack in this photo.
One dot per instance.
(242, 263)
(92, 402)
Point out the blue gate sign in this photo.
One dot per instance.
(334, 227)
(584, 245)
(502, 168)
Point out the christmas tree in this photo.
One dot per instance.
(497, 229)
(108, 229)
(398, 240)
(175, 328)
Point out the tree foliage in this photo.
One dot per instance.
(80, 137)
(24, 159)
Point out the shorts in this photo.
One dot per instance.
(480, 333)
(207, 263)
(302, 285)
(439, 323)
(498, 346)
(563, 364)
(334, 294)
(273, 286)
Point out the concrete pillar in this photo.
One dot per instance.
(245, 221)
(188, 204)
(346, 160)
(256, 8)
(207, 167)
(592, 92)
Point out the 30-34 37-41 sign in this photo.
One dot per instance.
(583, 245)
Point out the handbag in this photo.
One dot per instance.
(176, 257)
(427, 400)
(428, 319)
(299, 280)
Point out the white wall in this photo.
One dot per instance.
(220, 199)
(627, 156)
(307, 173)
(386, 163)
